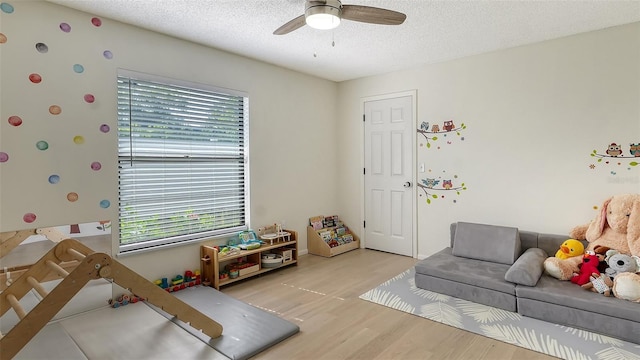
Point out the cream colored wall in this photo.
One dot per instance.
(533, 114)
(292, 124)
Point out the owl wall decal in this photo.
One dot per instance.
(634, 149)
(435, 128)
(424, 126)
(430, 183)
(614, 150)
(447, 184)
(448, 125)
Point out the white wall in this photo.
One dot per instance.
(292, 119)
(533, 115)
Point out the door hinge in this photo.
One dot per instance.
(364, 171)
(364, 224)
(363, 117)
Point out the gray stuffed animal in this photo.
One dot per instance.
(621, 263)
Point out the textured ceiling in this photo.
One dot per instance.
(434, 31)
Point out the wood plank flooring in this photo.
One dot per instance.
(321, 296)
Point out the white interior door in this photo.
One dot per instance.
(389, 199)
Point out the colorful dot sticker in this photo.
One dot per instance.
(96, 21)
(55, 110)
(105, 128)
(107, 55)
(96, 166)
(4, 157)
(78, 139)
(29, 218)
(35, 78)
(42, 145)
(54, 179)
(73, 197)
(15, 120)
(105, 204)
(78, 68)
(42, 48)
(89, 98)
(65, 27)
(6, 8)
(3, 38)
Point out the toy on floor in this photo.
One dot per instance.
(570, 248)
(180, 282)
(90, 265)
(124, 299)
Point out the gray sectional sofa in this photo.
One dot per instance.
(503, 267)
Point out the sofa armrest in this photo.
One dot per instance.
(528, 268)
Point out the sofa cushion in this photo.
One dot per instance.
(498, 244)
(484, 274)
(568, 294)
(528, 268)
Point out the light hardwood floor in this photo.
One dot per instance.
(321, 296)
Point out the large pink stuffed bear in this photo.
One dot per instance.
(617, 226)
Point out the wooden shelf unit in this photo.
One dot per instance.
(317, 246)
(211, 262)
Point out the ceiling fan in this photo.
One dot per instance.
(326, 14)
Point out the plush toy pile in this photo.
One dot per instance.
(611, 263)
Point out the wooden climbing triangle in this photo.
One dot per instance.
(90, 265)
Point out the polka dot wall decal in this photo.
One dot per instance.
(6, 7)
(107, 55)
(105, 128)
(89, 98)
(65, 27)
(42, 47)
(96, 166)
(42, 145)
(15, 120)
(55, 110)
(29, 218)
(35, 78)
(105, 204)
(78, 68)
(73, 197)
(3, 38)
(4, 157)
(54, 179)
(78, 139)
(96, 21)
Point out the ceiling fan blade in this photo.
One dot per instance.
(294, 24)
(372, 15)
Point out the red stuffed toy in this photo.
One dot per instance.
(588, 268)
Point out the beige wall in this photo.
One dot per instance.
(292, 125)
(533, 114)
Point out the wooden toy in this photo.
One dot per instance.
(90, 265)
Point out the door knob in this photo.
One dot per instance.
(407, 184)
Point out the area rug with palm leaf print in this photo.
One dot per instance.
(401, 293)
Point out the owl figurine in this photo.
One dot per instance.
(430, 183)
(447, 184)
(424, 126)
(634, 149)
(614, 150)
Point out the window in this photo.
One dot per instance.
(182, 151)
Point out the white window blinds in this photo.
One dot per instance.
(181, 161)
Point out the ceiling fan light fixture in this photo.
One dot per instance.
(323, 17)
